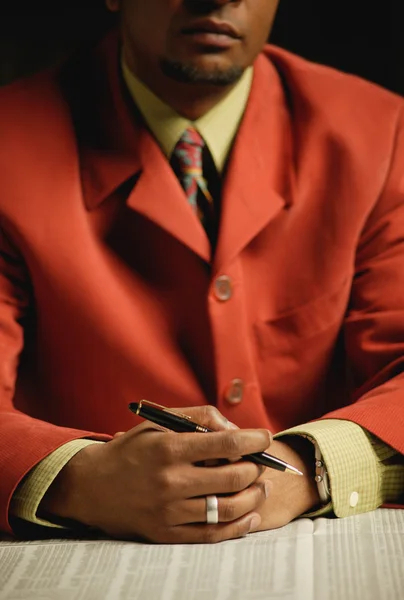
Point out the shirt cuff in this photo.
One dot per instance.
(359, 479)
(28, 495)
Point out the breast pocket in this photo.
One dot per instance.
(320, 318)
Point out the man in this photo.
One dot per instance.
(192, 218)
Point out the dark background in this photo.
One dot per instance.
(359, 37)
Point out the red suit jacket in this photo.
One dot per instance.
(107, 291)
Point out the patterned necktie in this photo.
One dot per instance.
(187, 158)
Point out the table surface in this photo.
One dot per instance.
(357, 558)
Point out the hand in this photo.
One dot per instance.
(290, 496)
(150, 483)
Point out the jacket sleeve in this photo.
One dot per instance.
(374, 324)
(24, 440)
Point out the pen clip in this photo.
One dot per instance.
(162, 408)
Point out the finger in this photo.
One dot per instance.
(208, 416)
(190, 447)
(211, 534)
(226, 479)
(143, 428)
(230, 508)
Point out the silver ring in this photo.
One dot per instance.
(212, 510)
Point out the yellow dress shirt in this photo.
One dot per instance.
(359, 466)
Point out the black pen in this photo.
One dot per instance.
(182, 423)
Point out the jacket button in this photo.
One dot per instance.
(234, 393)
(223, 288)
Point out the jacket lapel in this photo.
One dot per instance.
(120, 147)
(260, 177)
(159, 196)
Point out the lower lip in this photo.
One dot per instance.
(213, 40)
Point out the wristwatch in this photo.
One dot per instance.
(321, 475)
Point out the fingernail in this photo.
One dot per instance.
(255, 523)
(267, 488)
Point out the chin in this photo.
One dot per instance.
(207, 70)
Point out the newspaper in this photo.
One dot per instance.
(326, 559)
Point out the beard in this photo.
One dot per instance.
(188, 73)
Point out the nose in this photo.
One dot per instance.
(211, 3)
(207, 6)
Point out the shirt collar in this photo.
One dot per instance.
(218, 127)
